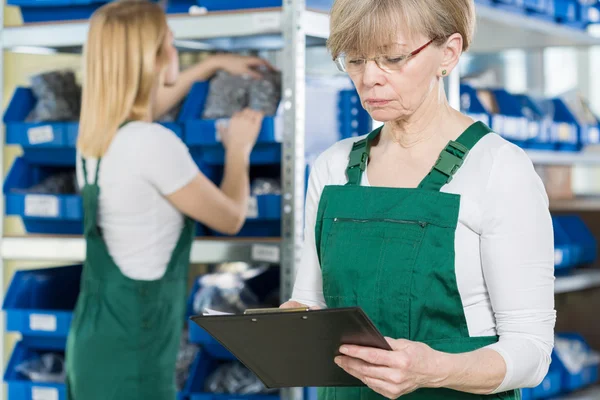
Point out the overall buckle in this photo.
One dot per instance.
(451, 159)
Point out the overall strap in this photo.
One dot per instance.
(85, 171)
(453, 156)
(359, 157)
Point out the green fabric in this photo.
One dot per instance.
(391, 252)
(125, 333)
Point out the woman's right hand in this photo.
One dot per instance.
(241, 133)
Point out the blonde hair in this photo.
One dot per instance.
(123, 49)
(366, 26)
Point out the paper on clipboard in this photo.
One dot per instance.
(209, 312)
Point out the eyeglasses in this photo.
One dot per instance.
(388, 63)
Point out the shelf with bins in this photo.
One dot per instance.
(497, 29)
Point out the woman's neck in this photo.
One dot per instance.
(427, 122)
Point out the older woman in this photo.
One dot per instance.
(438, 228)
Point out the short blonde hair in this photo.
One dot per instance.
(123, 49)
(365, 26)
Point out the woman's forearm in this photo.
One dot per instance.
(169, 96)
(479, 372)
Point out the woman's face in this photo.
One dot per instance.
(171, 72)
(397, 94)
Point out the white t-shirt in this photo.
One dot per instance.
(504, 250)
(144, 163)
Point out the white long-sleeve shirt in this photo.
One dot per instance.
(504, 250)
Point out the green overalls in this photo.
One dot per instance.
(125, 333)
(391, 252)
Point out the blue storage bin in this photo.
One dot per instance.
(69, 10)
(20, 387)
(354, 120)
(201, 369)
(569, 12)
(550, 387)
(203, 133)
(46, 143)
(583, 241)
(511, 122)
(565, 129)
(41, 213)
(40, 302)
(582, 377)
(262, 285)
(517, 6)
(564, 251)
(264, 211)
(539, 124)
(50, 143)
(472, 106)
(229, 5)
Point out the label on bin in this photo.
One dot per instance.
(44, 393)
(558, 256)
(252, 207)
(40, 134)
(42, 322)
(267, 21)
(220, 126)
(41, 206)
(265, 253)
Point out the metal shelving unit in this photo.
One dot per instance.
(290, 28)
(578, 280)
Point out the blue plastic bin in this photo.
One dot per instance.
(41, 213)
(510, 5)
(550, 387)
(43, 143)
(203, 133)
(565, 129)
(587, 376)
(539, 125)
(583, 241)
(68, 10)
(472, 106)
(262, 286)
(353, 118)
(20, 387)
(40, 302)
(569, 12)
(229, 5)
(564, 251)
(51, 143)
(201, 369)
(511, 122)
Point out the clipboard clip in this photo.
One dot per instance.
(274, 310)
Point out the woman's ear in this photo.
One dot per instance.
(452, 52)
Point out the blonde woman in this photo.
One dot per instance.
(438, 228)
(140, 202)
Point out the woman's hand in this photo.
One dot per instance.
(242, 130)
(237, 64)
(295, 304)
(408, 367)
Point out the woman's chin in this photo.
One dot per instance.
(383, 115)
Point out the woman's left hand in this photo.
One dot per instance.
(408, 367)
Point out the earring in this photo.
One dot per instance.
(444, 72)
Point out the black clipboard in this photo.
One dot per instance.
(294, 348)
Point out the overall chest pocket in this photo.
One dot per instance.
(360, 257)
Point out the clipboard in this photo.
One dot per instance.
(294, 348)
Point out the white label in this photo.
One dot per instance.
(41, 206)
(43, 393)
(265, 253)
(252, 208)
(42, 322)
(221, 126)
(547, 384)
(267, 21)
(40, 134)
(558, 257)
(594, 135)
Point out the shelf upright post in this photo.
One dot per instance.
(2, 138)
(293, 163)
